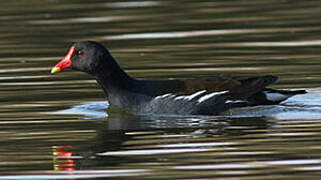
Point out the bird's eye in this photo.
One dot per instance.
(80, 53)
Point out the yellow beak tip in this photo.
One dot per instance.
(55, 70)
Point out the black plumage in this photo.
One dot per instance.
(190, 96)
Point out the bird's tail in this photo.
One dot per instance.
(274, 96)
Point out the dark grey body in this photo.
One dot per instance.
(202, 96)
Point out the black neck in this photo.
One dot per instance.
(120, 89)
(111, 76)
(124, 91)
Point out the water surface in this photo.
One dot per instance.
(58, 127)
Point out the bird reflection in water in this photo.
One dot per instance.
(63, 158)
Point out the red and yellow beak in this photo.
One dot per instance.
(65, 62)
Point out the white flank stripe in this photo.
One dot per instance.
(276, 96)
(206, 97)
(162, 96)
(235, 101)
(190, 97)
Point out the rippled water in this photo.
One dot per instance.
(58, 127)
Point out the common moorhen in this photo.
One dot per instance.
(201, 96)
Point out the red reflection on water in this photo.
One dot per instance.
(62, 158)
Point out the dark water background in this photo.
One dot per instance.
(57, 126)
